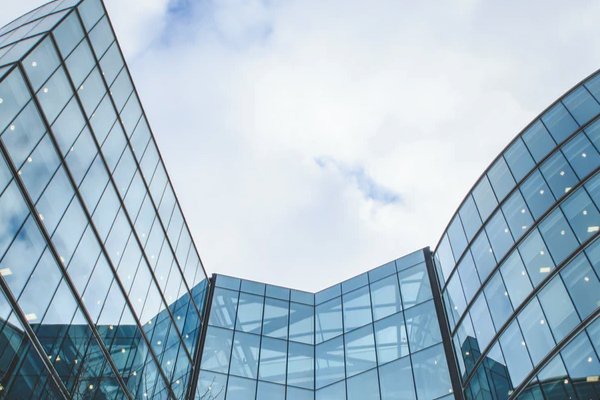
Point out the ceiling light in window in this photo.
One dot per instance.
(590, 359)
(542, 322)
(523, 211)
(593, 229)
(583, 155)
(586, 279)
(544, 270)
(1, 101)
(159, 343)
(91, 387)
(122, 350)
(506, 230)
(562, 173)
(524, 226)
(29, 159)
(542, 252)
(31, 317)
(506, 293)
(467, 353)
(134, 373)
(12, 127)
(523, 273)
(593, 378)
(5, 272)
(45, 90)
(523, 343)
(584, 212)
(34, 64)
(562, 232)
(566, 381)
(542, 191)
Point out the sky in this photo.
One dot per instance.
(311, 140)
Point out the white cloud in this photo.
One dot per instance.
(244, 95)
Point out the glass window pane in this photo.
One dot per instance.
(582, 156)
(517, 215)
(250, 313)
(328, 320)
(538, 196)
(558, 308)
(422, 326)
(482, 322)
(273, 358)
(278, 292)
(391, 338)
(432, 378)
(270, 391)
(415, 287)
(396, 382)
(302, 321)
(212, 385)
(241, 388)
(39, 168)
(103, 120)
(484, 198)
(253, 287)
(580, 359)
(360, 350)
(328, 294)
(582, 284)
(364, 386)
(582, 215)
(558, 236)
(519, 160)
(41, 63)
(301, 363)
(535, 330)
(91, 11)
(385, 295)
(228, 282)
(468, 276)
(445, 258)
(244, 356)
(458, 241)
(91, 91)
(382, 271)
(330, 362)
(299, 394)
(536, 258)
(68, 125)
(456, 299)
(497, 299)
(101, 37)
(68, 34)
(470, 217)
(357, 309)
(275, 322)
(13, 96)
(55, 94)
(224, 308)
(80, 63)
(499, 235)
(483, 255)
(23, 134)
(501, 179)
(217, 349)
(559, 122)
(111, 63)
(355, 283)
(303, 297)
(514, 349)
(333, 392)
(121, 89)
(581, 105)
(558, 174)
(538, 141)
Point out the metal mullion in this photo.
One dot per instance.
(451, 360)
(50, 244)
(373, 330)
(121, 202)
(529, 297)
(556, 149)
(534, 226)
(153, 139)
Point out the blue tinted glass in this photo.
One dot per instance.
(432, 378)
(275, 321)
(483, 255)
(301, 364)
(580, 359)
(458, 241)
(516, 279)
(273, 360)
(558, 174)
(514, 349)
(360, 350)
(250, 313)
(582, 156)
(357, 309)
(410, 260)
(241, 388)
(558, 308)
(581, 105)
(470, 217)
(244, 356)
(581, 214)
(501, 178)
(328, 294)
(355, 283)
(456, 298)
(535, 330)
(278, 292)
(445, 257)
(364, 386)
(224, 308)
(217, 349)
(333, 392)
(582, 284)
(537, 194)
(302, 323)
(382, 271)
(482, 322)
(558, 236)
(499, 235)
(468, 276)
(385, 296)
(68, 34)
(422, 326)
(538, 141)
(519, 160)
(415, 287)
(536, 258)
(270, 391)
(41, 63)
(328, 320)
(497, 298)
(211, 384)
(299, 394)
(14, 95)
(559, 123)
(391, 338)
(517, 215)
(484, 198)
(303, 297)
(396, 382)
(253, 287)
(228, 282)
(329, 362)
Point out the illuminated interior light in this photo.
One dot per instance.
(523, 211)
(29, 159)
(506, 293)
(81, 87)
(122, 350)
(566, 381)
(110, 327)
(491, 251)
(544, 270)
(5, 272)
(593, 378)
(586, 279)
(31, 317)
(177, 381)
(12, 127)
(159, 343)
(506, 230)
(583, 155)
(567, 189)
(542, 252)
(467, 353)
(19, 173)
(45, 90)
(590, 359)
(57, 358)
(523, 343)
(134, 373)
(593, 229)
(542, 322)
(187, 336)
(542, 191)
(1, 101)
(91, 387)
(178, 317)
(523, 273)
(62, 259)
(584, 212)
(41, 217)
(562, 232)
(168, 362)
(76, 361)
(524, 227)
(34, 64)
(562, 172)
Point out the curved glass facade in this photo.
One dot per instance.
(103, 294)
(519, 263)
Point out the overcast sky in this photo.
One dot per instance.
(311, 140)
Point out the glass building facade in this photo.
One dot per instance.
(103, 294)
